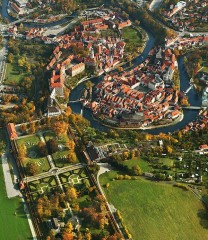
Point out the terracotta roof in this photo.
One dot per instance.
(11, 131)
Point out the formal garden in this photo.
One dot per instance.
(74, 177)
(42, 186)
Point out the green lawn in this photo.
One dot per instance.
(13, 76)
(31, 143)
(138, 161)
(132, 38)
(153, 211)
(12, 226)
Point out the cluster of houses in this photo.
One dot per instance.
(198, 125)
(141, 96)
(186, 42)
(187, 15)
(105, 19)
(100, 54)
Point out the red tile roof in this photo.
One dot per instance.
(11, 131)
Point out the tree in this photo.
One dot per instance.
(67, 236)
(70, 144)
(68, 227)
(32, 128)
(88, 236)
(68, 111)
(22, 151)
(32, 168)
(52, 145)
(169, 149)
(42, 149)
(60, 127)
(71, 194)
(71, 157)
(136, 170)
(10, 58)
(137, 22)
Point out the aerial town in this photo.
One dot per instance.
(103, 120)
(187, 15)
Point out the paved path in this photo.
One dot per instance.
(29, 220)
(10, 188)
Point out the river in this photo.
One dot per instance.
(189, 115)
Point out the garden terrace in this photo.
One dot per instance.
(74, 177)
(30, 143)
(42, 186)
(61, 156)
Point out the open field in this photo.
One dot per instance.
(140, 162)
(154, 211)
(13, 75)
(12, 226)
(132, 38)
(33, 153)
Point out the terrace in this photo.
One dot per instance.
(32, 152)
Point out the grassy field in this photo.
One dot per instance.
(138, 161)
(12, 226)
(132, 38)
(13, 76)
(32, 149)
(153, 211)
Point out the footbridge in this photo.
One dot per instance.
(192, 108)
(189, 88)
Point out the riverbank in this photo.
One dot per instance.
(179, 119)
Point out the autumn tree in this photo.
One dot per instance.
(68, 227)
(71, 194)
(22, 152)
(32, 128)
(68, 111)
(67, 236)
(42, 149)
(60, 127)
(136, 170)
(43, 207)
(52, 145)
(10, 58)
(71, 157)
(32, 168)
(70, 144)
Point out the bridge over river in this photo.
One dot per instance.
(192, 107)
